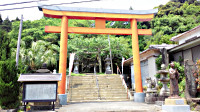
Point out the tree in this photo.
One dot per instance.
(182, 1)
(1, 21)
(97, 48)
(39, 53)
(6, 25)
(9, 87)
(4, 45)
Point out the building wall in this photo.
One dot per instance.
(148, 69)
(144, 70)
(192, 53)
(178, 56)
(152, 67)
(132, 76)
(196, 53)
(187, 54)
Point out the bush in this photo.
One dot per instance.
(9, 87)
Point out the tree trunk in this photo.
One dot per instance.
(99, 59)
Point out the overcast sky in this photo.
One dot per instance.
(34, 13)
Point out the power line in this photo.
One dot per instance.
(49, 5)
(22, 2)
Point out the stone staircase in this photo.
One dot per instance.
(85, 89)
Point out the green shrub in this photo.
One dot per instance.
(9, 87)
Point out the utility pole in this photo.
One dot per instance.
(110, 54)
(18, 42)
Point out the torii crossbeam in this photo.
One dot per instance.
(100, 16)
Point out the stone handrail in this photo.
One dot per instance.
(129, 96)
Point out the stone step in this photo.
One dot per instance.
(95, 90)
(101, 95)
(92, 95)
(100, 83)
(95, 87)
(100, 80)
(98, 100)
(103, 83)
(95, 93)
(84, 88)
(94, 84)
(90, 98)
(83, 81)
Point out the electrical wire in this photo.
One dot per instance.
(22, 2)
(48, 5)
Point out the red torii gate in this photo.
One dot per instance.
(100, 16)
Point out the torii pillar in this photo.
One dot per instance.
(100, 16)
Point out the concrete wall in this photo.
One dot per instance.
(132, 76)
(190, 53)
(148, 69)
(152, 67)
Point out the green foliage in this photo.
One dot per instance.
(73, 74)
(1, 21)
(9, 87)
(172, 19)
(89, 48)
(182, 87)
(182, 1)
(180, 69)
(6, 25)
(159, 62)
(40, 52)
(4, 45)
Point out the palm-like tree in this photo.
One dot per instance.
(40, 52)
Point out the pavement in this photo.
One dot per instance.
(122, 106)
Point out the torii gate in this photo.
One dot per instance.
(100, 16)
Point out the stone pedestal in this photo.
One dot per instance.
(162, 98)
(151, 96)
(175, 105)
(62, 99)
(139, 97)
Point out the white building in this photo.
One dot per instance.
(147, 62)
(188, 46)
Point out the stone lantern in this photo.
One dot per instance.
(108, 70)
(164, 92)
(76, 65)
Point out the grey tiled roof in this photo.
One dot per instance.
(96, 10)
(31, 77)
(166, 46)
